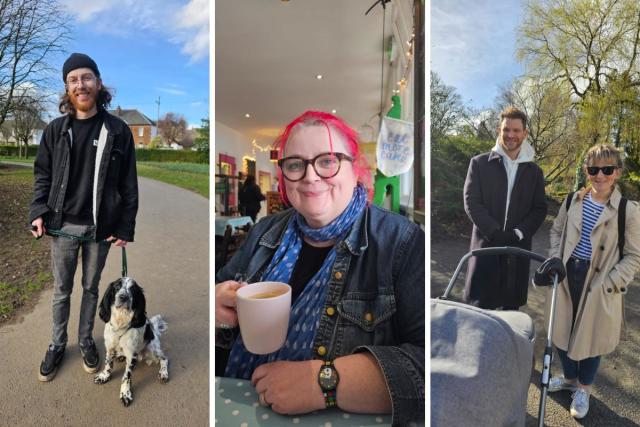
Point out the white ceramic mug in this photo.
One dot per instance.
(263, 318)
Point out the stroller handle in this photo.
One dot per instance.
(503, 250)
(508, 250)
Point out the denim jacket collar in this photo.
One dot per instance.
(356, 241)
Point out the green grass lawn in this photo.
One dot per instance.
(190, 176)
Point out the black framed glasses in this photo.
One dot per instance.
(326, 165)
(607, 170)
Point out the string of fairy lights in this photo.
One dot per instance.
(404, 80)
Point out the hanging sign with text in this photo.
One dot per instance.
(394, 151)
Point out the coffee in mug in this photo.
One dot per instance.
(263, 314)
(270, 294)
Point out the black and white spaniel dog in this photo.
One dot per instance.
(129, 334)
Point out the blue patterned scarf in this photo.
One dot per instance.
(306, 310)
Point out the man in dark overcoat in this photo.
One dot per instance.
(504, 198)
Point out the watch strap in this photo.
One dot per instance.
(330, 395)
(329, 398)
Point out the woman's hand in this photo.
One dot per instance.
(290, 387)
(225, 304)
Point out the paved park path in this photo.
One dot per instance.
(616, 395)
(170, 260)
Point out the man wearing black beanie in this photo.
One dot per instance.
(85, 197)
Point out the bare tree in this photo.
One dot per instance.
(30, 32)
(26, 113)
(552, 121)
(446, 108)
(173, 128)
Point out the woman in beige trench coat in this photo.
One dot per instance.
(589, 312)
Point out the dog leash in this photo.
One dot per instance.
(60, 233)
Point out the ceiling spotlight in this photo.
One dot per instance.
(319, 77)
(247, 115)
(333, 111)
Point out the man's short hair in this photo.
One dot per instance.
(514, 113)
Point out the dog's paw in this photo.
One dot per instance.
(126, 397)
(101, 378)
(163, 376)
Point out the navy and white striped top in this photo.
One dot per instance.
(590, 213)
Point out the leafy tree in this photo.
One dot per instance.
(591, 48)
(202, 138)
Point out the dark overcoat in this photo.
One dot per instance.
(501, 281)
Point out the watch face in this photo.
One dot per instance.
(328, 378)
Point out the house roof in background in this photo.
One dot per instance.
(132, 117)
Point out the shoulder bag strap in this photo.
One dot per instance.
(622, 217)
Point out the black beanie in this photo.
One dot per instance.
(78, 60)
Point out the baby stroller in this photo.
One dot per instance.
(481, 360)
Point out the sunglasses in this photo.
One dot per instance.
(607, 170)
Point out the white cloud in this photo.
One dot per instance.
(172, 91)
(192, 22)
(186, 24)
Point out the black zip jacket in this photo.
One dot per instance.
(115, 192)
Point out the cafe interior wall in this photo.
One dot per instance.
(232, 143)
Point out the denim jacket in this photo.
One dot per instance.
(375, 299)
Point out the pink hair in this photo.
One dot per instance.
(314, 118)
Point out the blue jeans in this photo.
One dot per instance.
(64, 261)
(584, 370)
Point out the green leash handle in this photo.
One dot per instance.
(124, 262)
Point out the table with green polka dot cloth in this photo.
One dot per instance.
(237, 406)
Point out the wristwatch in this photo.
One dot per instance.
(328, 379)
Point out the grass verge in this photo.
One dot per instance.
(24, 262)
(190, 176)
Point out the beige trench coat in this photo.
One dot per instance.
(600, 316)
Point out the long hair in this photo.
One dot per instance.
(334, 125)
(103, 100)
(251, 180)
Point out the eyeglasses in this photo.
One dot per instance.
(326, 165)
(85, 78)
(607, 170)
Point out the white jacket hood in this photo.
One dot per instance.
(526, 154)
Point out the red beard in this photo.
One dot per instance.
(83, 99)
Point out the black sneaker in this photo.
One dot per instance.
(90, 358)
(49, 365)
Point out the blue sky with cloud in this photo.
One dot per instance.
(147, 49)
(473, 46)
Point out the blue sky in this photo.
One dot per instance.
(146, 49)
(473, 46)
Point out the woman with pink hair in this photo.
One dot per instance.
(356, 332)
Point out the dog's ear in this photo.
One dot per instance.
(107, 301)
(138, 306)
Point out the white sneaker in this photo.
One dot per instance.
(559, 383)
(580, 403)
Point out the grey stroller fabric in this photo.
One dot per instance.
(481, 364)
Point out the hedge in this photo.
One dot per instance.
(155, 155)
(12, 150)
(143, 154)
